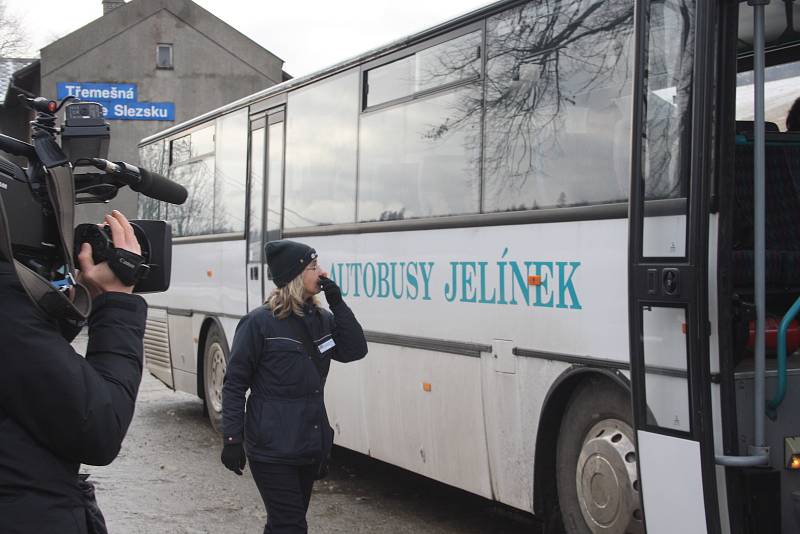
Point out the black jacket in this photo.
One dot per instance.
(57, 409)
(286, 421)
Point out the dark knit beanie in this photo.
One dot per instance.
(287, 259)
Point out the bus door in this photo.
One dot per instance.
(273, 220)
(265, 191)
(668, 239)
(255, 212)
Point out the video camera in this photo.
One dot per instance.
(33, 213)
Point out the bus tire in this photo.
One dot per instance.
(596, 462)
(215, 362)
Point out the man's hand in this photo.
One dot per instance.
(332, 292)
(98, 278)
(233, 457)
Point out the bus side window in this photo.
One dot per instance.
(230, 172)
(554, 74)
(321, 148)
(419, 158)
(192, 166)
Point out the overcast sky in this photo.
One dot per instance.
(307, 35)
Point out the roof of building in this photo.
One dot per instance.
(92, 35)
(8, 66)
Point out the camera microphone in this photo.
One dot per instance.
(143, 181)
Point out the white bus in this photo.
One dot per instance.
(537, 335)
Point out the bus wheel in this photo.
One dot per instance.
(596, 475)
(215, 361)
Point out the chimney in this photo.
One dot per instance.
(111, 5)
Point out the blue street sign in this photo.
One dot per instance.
(97, 91)
(126, 110)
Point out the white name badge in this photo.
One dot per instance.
(326, 346)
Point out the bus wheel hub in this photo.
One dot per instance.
(217, 376)
(606, 480)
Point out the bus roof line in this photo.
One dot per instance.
(336, 68)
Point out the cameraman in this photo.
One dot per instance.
(58, 409)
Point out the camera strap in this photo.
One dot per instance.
(128, 266)
(51, 301)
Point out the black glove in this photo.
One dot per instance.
(332, 292)
(233, 457)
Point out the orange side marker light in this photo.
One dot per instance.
(209, 273)
(534, 280)
(426, 387)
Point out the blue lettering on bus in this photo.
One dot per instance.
(369, 281)
(474, 282)
(383, 280)
(467, 291)
(395, 286)
(411, 277)
(519, 282)
(483, 299)
(357, 278)
(501, 267)
(450, 287)
(425, 271)
(565, 284)
(544, 297)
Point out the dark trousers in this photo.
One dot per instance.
(286, 491)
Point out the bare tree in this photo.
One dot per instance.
(548, 58)
(545, 59)
(13, 39)
(195, 216)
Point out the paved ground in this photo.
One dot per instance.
(168, 479)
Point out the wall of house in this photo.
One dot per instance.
(213, 65)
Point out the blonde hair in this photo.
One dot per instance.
(289, 299)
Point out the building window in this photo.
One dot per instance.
(164, 56)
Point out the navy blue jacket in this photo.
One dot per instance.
(286, 421)
(58, 409)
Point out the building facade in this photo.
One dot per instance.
(152, 64)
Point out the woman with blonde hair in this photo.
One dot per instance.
(282, 352)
